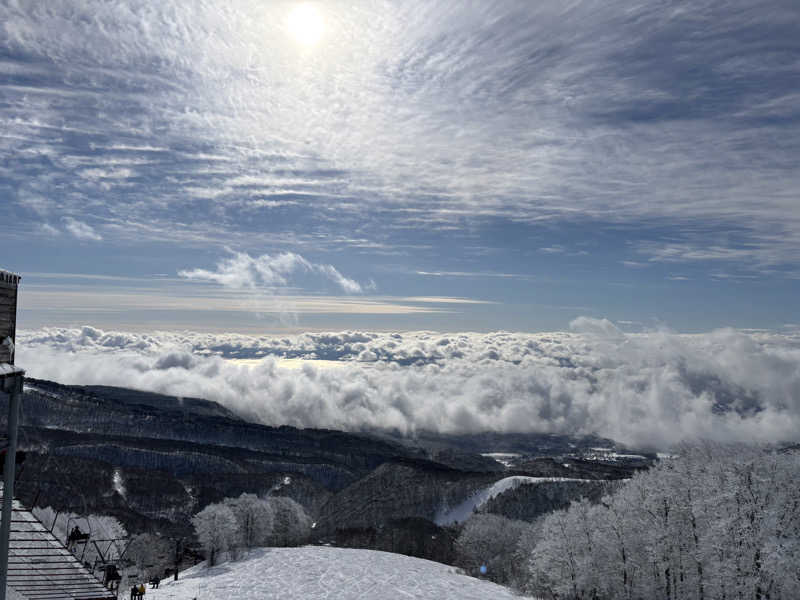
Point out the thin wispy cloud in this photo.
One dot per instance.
(81, 230)
(477, 274)
(402, 100)
(49, 230)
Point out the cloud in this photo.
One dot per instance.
(647, 389)
(81, 230)
(596, 327)
(632, 264)
(49, 230)
(678, 253)
(245, 271)
(349, 286)
(473, 274)
(445, 300)
(565, 112)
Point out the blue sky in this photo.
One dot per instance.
(379, 165)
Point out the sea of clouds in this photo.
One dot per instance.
(648, 389)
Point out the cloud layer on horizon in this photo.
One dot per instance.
(647, 389)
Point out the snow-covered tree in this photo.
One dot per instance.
(291, 524)
(216, 529)
(490, 541)
(715, 522)
(254, 517)
(150, 553)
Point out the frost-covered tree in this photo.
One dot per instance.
(291, 524)
(490, 541)
(150, 553)
(715, 522)
(528, 539)
(216, 529)
(254, 518)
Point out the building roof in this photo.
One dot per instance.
(9, 277)
(7, 370)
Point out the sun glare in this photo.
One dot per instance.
(305, 24)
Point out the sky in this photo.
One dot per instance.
(556, 216)
(270, 167)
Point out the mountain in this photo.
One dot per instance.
(154, 460)
(399, 490)
(528, 444)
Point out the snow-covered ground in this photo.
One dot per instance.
(461, 512)
(317, 572)
(506, 459)
(609, 455)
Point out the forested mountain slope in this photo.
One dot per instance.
(153, 461)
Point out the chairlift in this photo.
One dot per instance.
(76, 536)
(111, 576)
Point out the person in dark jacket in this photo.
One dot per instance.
(74, 536)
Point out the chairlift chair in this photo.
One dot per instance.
(80, 537)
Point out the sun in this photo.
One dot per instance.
(305, 24)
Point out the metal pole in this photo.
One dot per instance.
(9, 471)
(178, 549)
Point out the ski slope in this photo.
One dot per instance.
(317, 572)
(461, 512)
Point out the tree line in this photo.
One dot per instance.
(713, 522)
(240, 524)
